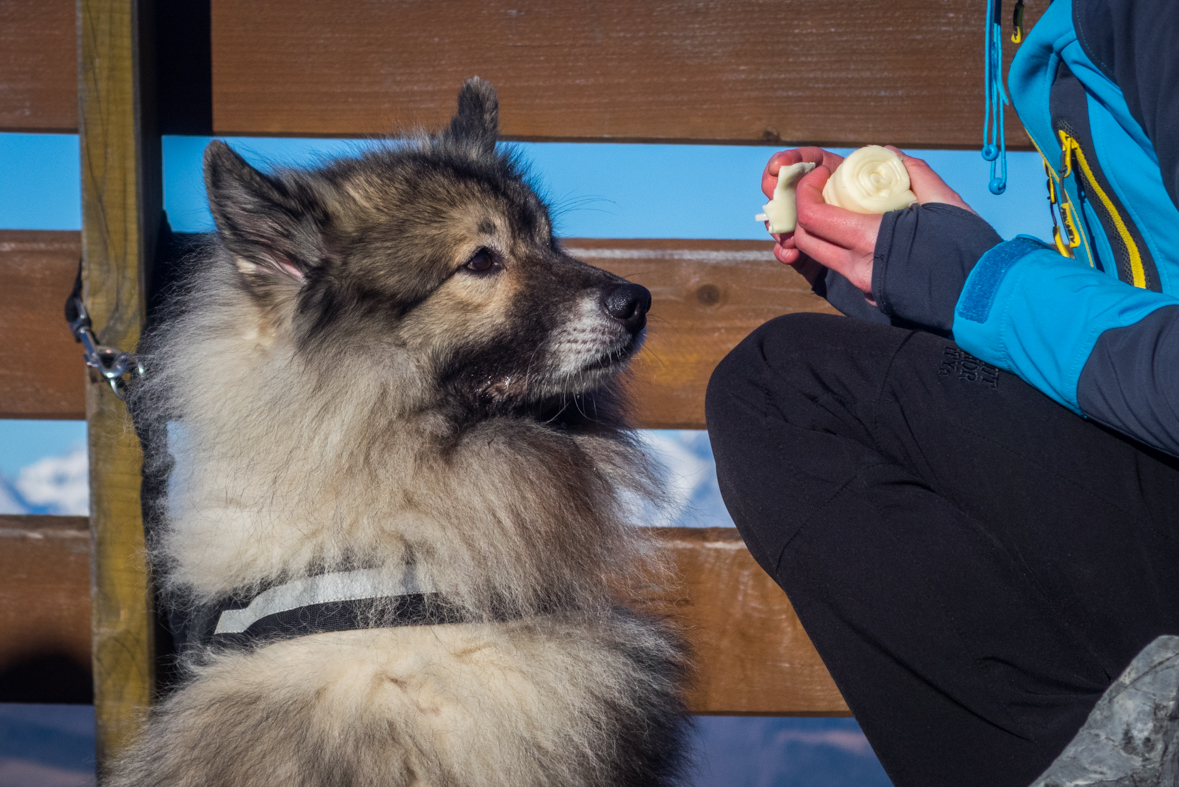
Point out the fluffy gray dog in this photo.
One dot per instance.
(399, 545)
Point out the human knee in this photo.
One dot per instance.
(768, 350)
(762, 362)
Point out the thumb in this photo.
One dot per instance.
(769, 176)
(814, 214)
(810, 188)
(927, 184)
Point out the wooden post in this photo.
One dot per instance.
(120, 213)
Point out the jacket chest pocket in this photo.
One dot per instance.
(1092, 214)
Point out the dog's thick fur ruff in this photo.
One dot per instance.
(382, 360)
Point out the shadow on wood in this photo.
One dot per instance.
(45, 609)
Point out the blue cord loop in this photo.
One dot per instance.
(994, 134)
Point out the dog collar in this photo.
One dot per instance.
(336, 601)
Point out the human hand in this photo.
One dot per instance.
(784, 248)
(927, 184)
(846, 242)
(787, 158)
(832, 237)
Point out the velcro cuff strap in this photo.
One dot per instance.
(978, 296)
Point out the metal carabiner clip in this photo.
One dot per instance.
(110, 362)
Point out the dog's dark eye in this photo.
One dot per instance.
(482, 261)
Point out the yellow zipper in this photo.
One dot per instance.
(1069, 148)
(1067, 214)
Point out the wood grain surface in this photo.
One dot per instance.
(38, 65)
(44, 374)
(708, 295)
(751, 654)
(906, 72)
(750, 71)
(121, 176)
(44, 609)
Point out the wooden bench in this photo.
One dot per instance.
(907, 72)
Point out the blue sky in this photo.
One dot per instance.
(598, 190)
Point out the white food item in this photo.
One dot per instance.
(871, 180)
(781, 212)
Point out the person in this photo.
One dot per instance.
(970, 490)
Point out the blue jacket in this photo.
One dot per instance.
(1096, 84)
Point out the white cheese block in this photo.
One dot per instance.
(871, 180)
(781, 212)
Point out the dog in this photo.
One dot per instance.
(400, 540)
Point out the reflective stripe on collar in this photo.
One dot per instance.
(335, 588)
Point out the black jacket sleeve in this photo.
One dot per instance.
(1131, 380)
(923, 256)
(844, 295)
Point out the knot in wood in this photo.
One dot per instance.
(708, 295)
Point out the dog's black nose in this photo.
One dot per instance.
(628, 303)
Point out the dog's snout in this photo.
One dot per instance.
(628, 303)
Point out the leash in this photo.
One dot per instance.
(110, 362)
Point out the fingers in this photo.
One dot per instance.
(810, 270)
(786, 255)
(785, 158)
(769, 175)
(927, 184)
(836, 238)
(784, 250)
(841, 227)
(855, 266)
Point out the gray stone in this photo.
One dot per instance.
(1131, 739)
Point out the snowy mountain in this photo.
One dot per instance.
(50, 485)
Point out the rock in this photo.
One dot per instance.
(1131, 739)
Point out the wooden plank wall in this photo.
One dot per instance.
(708, 295)
(38, 65)
(907, 72)
(44, 372)
(45, 609)
(751, 654)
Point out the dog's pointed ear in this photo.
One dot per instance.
(477, 121)
(271, 226)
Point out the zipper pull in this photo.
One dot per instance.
(1053, 208)
(1067, 144)
(1017, 23)
(1070, 226)
(1061, 247)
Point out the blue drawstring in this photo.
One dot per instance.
(993, 130)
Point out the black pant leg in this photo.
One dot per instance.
(974, 563)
